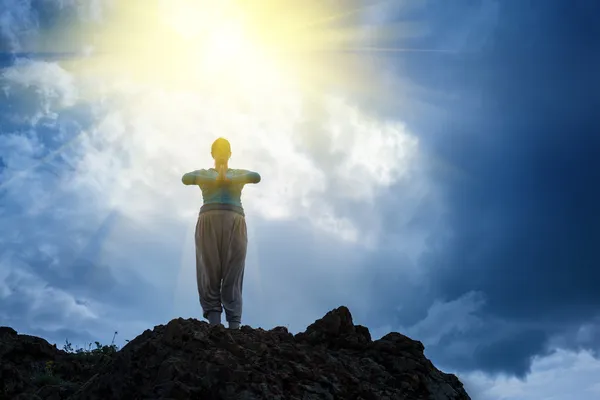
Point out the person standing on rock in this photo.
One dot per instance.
(221, 236)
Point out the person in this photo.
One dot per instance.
(221, 236)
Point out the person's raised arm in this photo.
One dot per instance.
(198, 177)
(244, 176)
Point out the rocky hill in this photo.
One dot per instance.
(187, 359)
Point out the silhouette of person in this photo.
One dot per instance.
(221, 236)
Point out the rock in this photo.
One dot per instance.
(31, 368)
(6, 330)
(186, 358)
(336, 330)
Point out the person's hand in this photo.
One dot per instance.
(222, 176)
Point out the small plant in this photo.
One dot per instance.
(99, 350)
(47, 376)
(49, 367)
(105, 349)
(67, 346)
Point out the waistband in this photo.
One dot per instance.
(222, 207)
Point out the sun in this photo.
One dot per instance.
(259, 48)
(189, 45)
(215, 27)
(228, 44)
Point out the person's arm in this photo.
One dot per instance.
(243, 176)
(198, 177)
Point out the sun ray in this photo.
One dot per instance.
(344, 14)
(396, 50)
(268, 49)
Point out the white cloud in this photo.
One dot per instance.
(129, 163)
(17, 23)
(89, 10)
(443, 318)
(42, 300)
(19, 151)
(55, 87)
(20, 25)
(586, 335)
(373, 153)
(161, 135)
(317, 154)
(563, 375)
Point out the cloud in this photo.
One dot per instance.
(510, 144)
(135, 126)
(104, 227)
(456, 316)
(562, 375)
(17, 24)
(48, 86)
(453, 199)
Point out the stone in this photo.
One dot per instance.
(186, 358)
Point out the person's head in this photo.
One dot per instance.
(220, 151)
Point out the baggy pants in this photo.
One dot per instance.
(221, 242)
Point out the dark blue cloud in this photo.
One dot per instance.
(495, 358)
(518, 147)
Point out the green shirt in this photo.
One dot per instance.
(216, 192)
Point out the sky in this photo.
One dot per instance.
(429, 164)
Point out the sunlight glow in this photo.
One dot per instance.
(187, 17)
(228, 47)
(228, 43)
(212, 30)
(166, 77)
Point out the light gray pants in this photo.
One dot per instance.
(221, 242)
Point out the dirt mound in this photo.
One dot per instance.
(187, 359)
